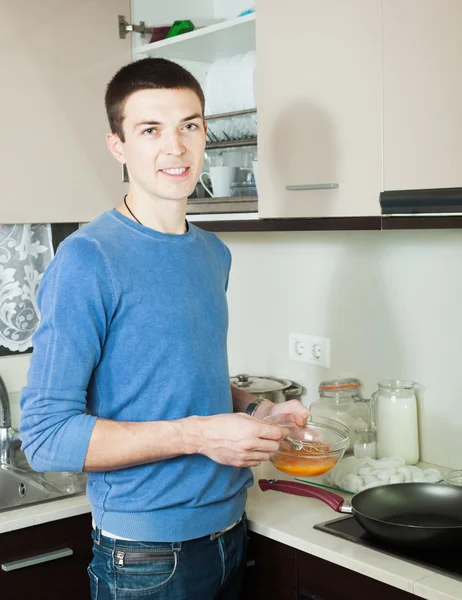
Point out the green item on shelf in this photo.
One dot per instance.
(180, 27)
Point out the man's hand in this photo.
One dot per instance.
(237, 440)
(294, 407)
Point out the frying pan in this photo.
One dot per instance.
(414, 515)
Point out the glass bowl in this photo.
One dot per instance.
(324, 443)
(453, 477)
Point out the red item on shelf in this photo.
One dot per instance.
(159, 33)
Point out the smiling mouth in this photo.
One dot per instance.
(176, 172)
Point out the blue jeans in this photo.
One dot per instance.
(200, 569)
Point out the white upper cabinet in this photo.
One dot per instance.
(319, 100)
(56, 59)
(422, 71)
(352, 97)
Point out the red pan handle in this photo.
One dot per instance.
(301, 489)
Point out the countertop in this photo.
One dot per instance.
(289, 520)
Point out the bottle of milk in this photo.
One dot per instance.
(396, 421)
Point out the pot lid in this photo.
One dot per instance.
(259, 385)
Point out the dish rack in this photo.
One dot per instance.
(232, 129)
(235, 129)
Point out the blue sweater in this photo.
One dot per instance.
(134, 328)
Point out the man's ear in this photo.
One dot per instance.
(115, 146)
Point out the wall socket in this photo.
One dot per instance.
(310, 349)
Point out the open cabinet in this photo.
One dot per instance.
(56, 166)
(221, 53)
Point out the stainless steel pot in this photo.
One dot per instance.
(272, 388)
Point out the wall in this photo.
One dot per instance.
(13, 370)
(390, 302)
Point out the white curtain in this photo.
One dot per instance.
(25, 252)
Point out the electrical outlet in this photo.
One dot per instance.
(310, 349)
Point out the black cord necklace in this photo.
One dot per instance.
(128, 208)
(136, 218)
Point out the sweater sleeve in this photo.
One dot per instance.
(228, 259)
(76, 303)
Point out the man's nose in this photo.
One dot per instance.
(173, 144)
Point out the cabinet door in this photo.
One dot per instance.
(319, 100)
(422, 94)
(271, 570)
(64, 577)
(319, 579)
(56, 59)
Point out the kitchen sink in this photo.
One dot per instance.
(20, 487)
(19, 484)
(17, 487)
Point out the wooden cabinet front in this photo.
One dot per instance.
(278, 572)
(322, 580)
(272, 570)
(52, 580)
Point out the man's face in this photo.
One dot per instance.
(165, 136)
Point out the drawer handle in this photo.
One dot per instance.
(36, 560)
(312, 186)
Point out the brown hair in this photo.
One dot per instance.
(148, 73)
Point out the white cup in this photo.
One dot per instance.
(221, 178)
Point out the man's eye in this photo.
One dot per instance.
(150, 131)
(191, 126)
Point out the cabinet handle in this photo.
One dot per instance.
(302, 595)
(37, 559)
(312, 186)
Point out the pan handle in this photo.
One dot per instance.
(301, 489)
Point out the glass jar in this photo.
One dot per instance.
(341, 400)
(365, 444)
(396, 420)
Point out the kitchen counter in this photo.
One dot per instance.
(289, 520)
(61, 508)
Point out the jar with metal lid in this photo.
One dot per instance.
(341, 400)
(272, 388)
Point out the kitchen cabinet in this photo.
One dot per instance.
(56, 59)
(278, 572)
(272, 570)
(322, 580)
(56, 165)
(319, 99)
(220, 53)
(353, 97)
(422, 93)
(64, 577)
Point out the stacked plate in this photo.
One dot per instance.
(230, 87)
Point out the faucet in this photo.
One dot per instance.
(9, 437)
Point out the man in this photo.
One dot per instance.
(129, 377)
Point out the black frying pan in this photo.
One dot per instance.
(418, 515)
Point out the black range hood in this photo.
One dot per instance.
(442, 201)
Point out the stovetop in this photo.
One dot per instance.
(447, 563)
